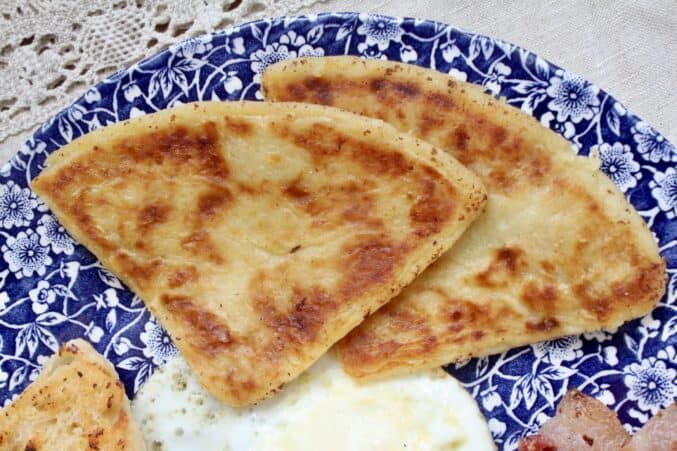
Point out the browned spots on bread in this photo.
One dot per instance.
(498, 134)
(324, 142)
(401, 333)
(364, 347)
(388, 90)
(539, 298)
(439, 102)
(348, 202)
(200, 244)
(124, 419)
(435, 205)
(428, 122)
(151, 215)
(301, 322)
(320, 140)
(177, 147)
(238, 127)
(94, 437)
(544, 325)
(142, 272)
(548, 266)
(503, 269)
(370, 261)
(458, 315)
(472, 321)
(239, 386)
(602, 303)
(70, 348)
(86, 223)
(212, 202)
(315, 85)
(458, 139)
(209, 335)
(359, 207)
(379, 162)
(503, 162)
(461, 315)
(182, 276)
(170, 151)
(62, 181)
(299, 195)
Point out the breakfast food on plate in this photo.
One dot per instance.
(558, 251)
(259, 234)
(323, 409)
(77, 402)
(582, 422)
(658, 433)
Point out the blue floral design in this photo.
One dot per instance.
(572, 98)
(42, 297)
(559, 350)
(53, 234)
(566, 128)
(516, 390)
(271, 54)
(496, 77)
(175, 74)
(4, 300)
(378, 31)
(664, 190)
(618, 163)
(652, 145)
(651, 383)
(16, 205)
(158, 345)
(490, 400)
(25, 255)
(193, 47)
(299, 41)
(131, 92)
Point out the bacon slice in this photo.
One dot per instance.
(581, 423)
(659, 433)
(584, 423)
(537, 442)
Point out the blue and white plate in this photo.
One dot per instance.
(52, 289)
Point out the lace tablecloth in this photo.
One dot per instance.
(53, 50)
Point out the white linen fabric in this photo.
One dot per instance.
(52, 50)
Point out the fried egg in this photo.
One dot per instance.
(322, 409)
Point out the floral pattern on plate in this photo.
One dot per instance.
(52, 289)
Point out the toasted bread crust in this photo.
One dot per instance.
(77, 402)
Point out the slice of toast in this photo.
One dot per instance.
(76, 403)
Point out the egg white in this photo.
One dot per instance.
(323, 409)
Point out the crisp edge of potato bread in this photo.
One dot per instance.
(84, 379)
(333, 80)
(427, 250)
